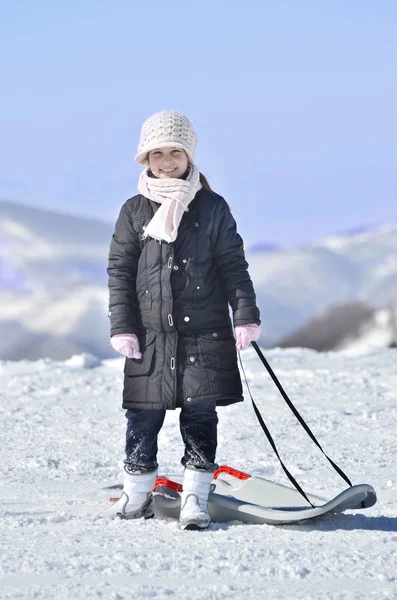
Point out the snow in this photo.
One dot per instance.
(63, 438)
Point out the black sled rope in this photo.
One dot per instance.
(297, 415)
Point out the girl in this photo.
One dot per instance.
(176, 262)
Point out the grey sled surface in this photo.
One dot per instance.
(259, 501)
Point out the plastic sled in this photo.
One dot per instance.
(256, 500)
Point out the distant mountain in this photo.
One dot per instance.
(43, 250)
(379, 331)
(356, 230)
(264, 247)
(295, 285)
(36, 325)
(346, 326)
(53, 294)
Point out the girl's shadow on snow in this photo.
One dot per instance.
(347, 523)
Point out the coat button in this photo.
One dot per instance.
(176, 267)
(184, 260)
(198, 287)
(215, 334)
(192, 359)
(186, 319)
(196, 224)
(188, 399)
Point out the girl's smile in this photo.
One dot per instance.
(168, 162)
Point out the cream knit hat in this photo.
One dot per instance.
(166, 128)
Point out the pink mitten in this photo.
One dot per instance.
(127, 344)
(245, 334)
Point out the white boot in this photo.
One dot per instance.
(136, 500)
(194, 508)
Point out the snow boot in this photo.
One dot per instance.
(194, 509)
(136, 499)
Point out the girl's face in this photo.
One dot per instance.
(168, 162)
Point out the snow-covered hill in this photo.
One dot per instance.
(53, 282)
(53, 294)
(347, 326)
(38, 324)
(380, 331)
(62, 432)
(46, 251)
(294, 285)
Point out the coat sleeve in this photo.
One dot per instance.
(230, 260)
(122, 269)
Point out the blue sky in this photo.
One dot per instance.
(293, 103)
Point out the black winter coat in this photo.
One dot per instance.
(175, 298)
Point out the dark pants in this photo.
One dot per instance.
(198, 425)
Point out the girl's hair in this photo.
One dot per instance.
(204, 183)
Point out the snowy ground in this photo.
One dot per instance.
(62, 434)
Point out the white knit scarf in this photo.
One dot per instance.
(174, 195)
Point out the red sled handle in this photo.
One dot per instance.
(223, 469)
(172, 485)
(230, 471)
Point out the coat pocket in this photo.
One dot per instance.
(144, 366)
(217, 349)
(218, 355)
(194, 376)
